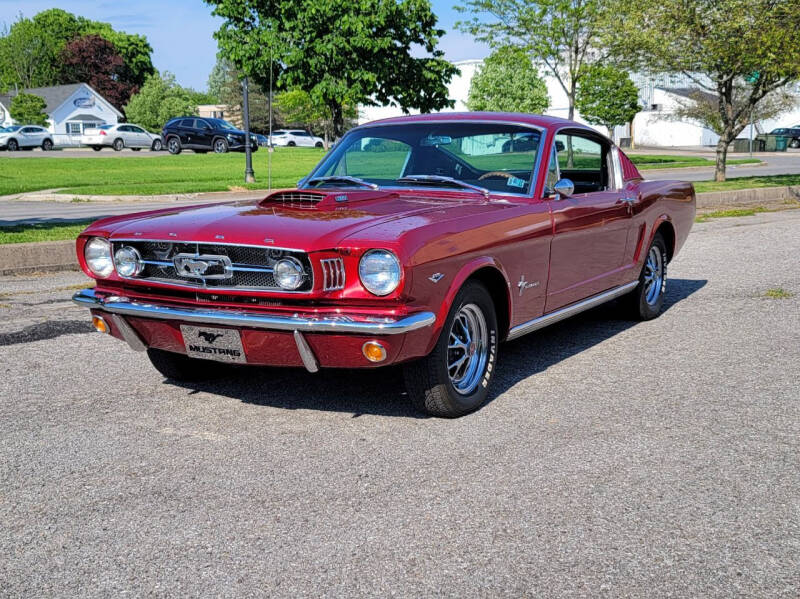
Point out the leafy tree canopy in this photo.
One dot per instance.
(159, 100)
(297, 107)
(28, 109)
(607, 96)
(31, 50)
(94, 60)
(508, 82)
(559, 35)
(740, 51)
(225, 84)
(341, 52)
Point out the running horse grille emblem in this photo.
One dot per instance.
(203, 267)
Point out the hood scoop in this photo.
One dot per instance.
(304, 199)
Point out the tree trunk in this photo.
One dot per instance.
(722, 157)
(337, 117)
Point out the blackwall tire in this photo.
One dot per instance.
(179, 367)
(174, 145)
(220, 146)
(453, 380)
(118, 145)
(646, 301)
(97, 148)
(47, 145)
(13, 146)
(157, 146)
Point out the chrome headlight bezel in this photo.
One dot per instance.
(97, 253)
(380, 272)
(294, 268)
(124, 258)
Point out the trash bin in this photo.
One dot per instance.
(743, 145)
(770, 143)
(781, 142)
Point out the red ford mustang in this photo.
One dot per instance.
(422, 240)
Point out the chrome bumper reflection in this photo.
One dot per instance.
(253, 320)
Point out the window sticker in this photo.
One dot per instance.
(515, 182)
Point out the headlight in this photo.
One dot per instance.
(128, 262)
(98, 256)
(288, 273)
(379, 271)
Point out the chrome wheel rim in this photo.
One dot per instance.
(653, 276)
(219, 147)
(173, 145)
(467, 349)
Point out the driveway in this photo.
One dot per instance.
(616, 459)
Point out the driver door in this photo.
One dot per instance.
(591, 226)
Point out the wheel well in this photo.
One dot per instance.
(496, 285)
(668, 233)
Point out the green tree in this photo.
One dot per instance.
(341, 53)
(225, 84)
(508, 82)
(558, 35)
(297, 107)
(25, 57)
(159, 100)
(740, 51)
(607, 96)
(28, 109)
(134, 49)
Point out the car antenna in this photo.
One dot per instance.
(270, 147)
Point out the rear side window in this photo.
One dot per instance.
(189, 123)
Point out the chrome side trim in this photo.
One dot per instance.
(306, 353)
(571, 310)
(253, 320)
(131, 336)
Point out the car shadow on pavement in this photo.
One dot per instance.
(381, 391)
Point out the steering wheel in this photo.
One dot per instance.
(495, 174)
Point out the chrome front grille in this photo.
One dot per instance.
(297, 199)
(231, 266)
(332, 274)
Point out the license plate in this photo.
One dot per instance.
(223, 345)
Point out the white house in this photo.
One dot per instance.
(70, 109)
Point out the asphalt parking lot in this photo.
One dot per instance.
(616, 459)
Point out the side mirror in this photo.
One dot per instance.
(559, 146)
(564, 188)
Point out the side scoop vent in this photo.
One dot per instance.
(296, 199)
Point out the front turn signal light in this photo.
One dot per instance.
(374, 351)
(100, 325)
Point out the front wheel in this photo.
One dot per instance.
(97, 148)
(453, 380)
(13, 146)
(646, 301)
(118, 145)
(220, 146)
(157, 146)
(179, 367)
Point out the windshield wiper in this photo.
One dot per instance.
(344, 178)
(443, 179)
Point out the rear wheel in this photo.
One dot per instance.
(647, 300)
(453, 379)
(795, 143)
(179, 367)
(318, 144)
(47, 145)
(97, 148)
(118, 145)
(291, 144)
(174, 145)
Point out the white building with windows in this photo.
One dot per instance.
(70, 110)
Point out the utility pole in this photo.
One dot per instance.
(249, 175)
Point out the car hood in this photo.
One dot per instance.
(275, 222)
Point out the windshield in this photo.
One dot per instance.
(493, 156)
(220, 124)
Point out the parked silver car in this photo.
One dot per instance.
(124, 135)
(25, 137)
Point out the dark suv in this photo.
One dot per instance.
(793, 133)
(204, 135)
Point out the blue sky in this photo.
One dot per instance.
(180, 31)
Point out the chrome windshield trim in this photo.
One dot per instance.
(253, 320)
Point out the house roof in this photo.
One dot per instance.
(690, 93)
(54, 96)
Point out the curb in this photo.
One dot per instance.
(21, 258)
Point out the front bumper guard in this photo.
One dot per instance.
(362, 325)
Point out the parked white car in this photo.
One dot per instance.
(124, 135)
(25, 137)
(296, 137)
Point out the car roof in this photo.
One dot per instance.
(536, 120)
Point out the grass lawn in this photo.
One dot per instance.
(41, 232)
(185, 173)
(191, 173)
(748, 183)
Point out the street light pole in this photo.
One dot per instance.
(249, 175)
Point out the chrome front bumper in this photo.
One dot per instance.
(255, 320)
